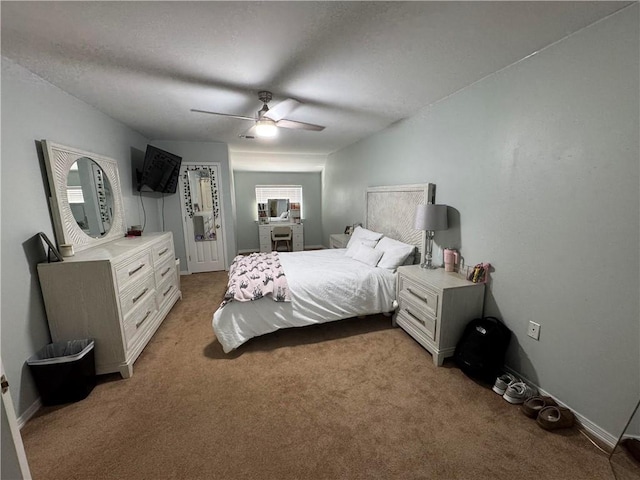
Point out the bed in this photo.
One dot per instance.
(331, 284)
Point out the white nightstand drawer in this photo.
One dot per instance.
(415, 313)
(417, 292)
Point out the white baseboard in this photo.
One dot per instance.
(247, 250)
(596, 431)
(29, 412)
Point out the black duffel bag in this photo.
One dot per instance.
(481, 349)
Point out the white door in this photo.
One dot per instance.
(202, 217)
(14, 459)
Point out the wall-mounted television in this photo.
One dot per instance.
(160, 171)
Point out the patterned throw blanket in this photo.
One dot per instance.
(254, 276)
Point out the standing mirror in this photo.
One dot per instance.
(86, 199)
(625, 457)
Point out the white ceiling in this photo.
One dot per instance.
(356, 66)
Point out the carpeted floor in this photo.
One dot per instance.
(353, 399)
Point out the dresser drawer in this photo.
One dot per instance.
(162, 250)
(133, 270)
(136, 294)
(166, 290)
(426, 298)
(413, 311)
(166, 269)
(138, 319)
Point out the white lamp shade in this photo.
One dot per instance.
(266, 128)
(431, 217)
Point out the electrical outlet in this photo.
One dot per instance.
(534, 330)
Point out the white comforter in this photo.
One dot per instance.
(325, 285)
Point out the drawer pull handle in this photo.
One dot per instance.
(425, 298)
(168, 290)
(131, 272)
(419, 320)
(140, 295)
(162, 252)
(143, 320)
(165, 272)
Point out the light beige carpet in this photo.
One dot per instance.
(354, 399)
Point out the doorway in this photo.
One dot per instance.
(202, 217)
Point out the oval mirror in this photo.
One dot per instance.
(90, 197)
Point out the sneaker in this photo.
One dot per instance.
(518, 392)
(502, 382)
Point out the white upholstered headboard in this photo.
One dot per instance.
(391, 211)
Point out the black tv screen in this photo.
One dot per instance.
(160, 170)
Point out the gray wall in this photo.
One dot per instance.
(32, 110)
(539, 163)
(246, 214)
(199, 152)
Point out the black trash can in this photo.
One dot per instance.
(64, 371)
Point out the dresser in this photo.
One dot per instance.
(117, 293)
(434, 307)
(338, 240)
(297, 239)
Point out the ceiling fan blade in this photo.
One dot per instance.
(241, 117)
(279, 111)
(299, 125)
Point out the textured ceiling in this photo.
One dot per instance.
(356, 66)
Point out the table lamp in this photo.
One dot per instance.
(430, 218)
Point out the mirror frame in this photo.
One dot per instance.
(58, 161)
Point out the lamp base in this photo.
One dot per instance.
(428, 266)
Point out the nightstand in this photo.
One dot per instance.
(338, 240)
(434, 306)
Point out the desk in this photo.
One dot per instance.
(297, 242)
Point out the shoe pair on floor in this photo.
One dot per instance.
(548, 414)
(512, 389)
(545, 410)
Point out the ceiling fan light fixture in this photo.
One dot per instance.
(266, 128)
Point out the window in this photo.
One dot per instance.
(291, 192)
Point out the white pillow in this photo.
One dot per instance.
(355, 246)
(395, 253)
(368, 255)
(365, 236)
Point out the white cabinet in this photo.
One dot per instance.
(338, 240)
(264, 232)
(117, 293)
(434, 306)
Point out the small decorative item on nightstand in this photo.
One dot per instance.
(478, 273)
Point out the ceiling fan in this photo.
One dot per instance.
(267, 120)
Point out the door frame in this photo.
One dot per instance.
(223, 222)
